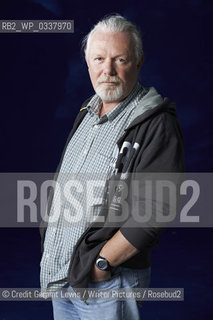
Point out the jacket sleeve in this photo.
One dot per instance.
(161, 153)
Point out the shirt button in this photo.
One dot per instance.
(96, 126)
(54, 229)
(85, 151)
(47, 255)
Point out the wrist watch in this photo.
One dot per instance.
(102, 263)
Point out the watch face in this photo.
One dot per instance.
(101, 263)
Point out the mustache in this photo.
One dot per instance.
(113, 79)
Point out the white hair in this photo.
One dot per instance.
(116, 23)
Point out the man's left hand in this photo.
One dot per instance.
(99, 275)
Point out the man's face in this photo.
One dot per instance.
(112, 65)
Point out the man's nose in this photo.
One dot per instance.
(109, 67)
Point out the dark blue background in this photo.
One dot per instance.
(44, 80)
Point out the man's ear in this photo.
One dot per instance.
(140, 63)
(87, 62)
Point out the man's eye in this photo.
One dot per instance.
(98, 59)
(121, 60)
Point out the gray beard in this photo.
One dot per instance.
(110, 94)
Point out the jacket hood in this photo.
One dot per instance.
(152, 102)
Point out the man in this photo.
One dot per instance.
(124, 128)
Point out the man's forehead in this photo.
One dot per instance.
(102, 40)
